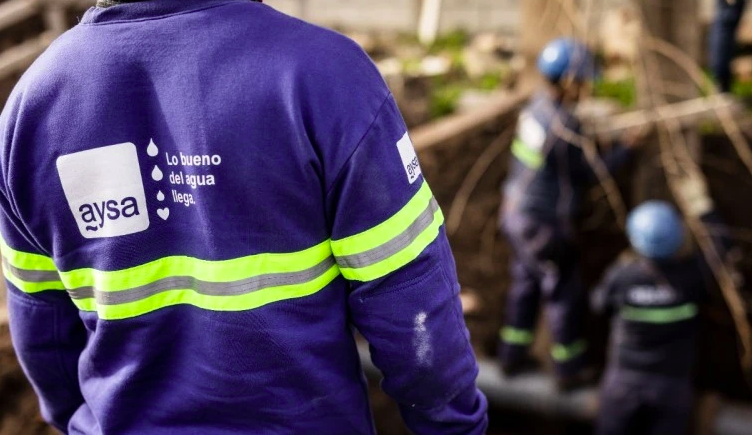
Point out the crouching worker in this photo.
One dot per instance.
(547, 178)
(653, 295)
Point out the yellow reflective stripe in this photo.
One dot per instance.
(566, 352)
(399, 259)
(28, 271)
(26, 260)
(31, 287)
(386, 230)
(204, 270)
(530, 158)
(85, 304)
(660, 314)
(227, 285)
(516, 336)
(216, 303)
(381, 250)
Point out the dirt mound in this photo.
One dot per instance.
(19, 411)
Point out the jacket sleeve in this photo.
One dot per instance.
(720, 236)
(47, 333)
(389, 241)
(616, 157)
(723, 243)
(603, 298)
(613, 159)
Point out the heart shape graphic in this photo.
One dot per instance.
(164, 213)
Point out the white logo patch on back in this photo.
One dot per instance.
(531, 132)
(105, 191)
(651, 295)
(409, 158)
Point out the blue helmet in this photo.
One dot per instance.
(566, 57)
(655, 230)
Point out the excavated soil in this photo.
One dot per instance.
(482, 255)
(19, 413)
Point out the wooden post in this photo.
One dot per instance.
(428, 23)
(55, 18)
(303, 9)
(676, 22)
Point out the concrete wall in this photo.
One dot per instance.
(402, 15)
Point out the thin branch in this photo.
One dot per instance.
(671, 141)
(694, 71)
(607, 182)
(479, 168)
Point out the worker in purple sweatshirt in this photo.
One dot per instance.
(653, 295)
(201, 200)
(542, 193)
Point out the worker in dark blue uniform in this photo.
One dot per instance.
(653, 294)
(723, 40)
(547, 178)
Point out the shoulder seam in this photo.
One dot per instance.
(352, 153)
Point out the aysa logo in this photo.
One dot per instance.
(104, 190)
(97, 213)
(409, 158)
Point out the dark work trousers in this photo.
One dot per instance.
(644, 404)
(544, 268)
(723, 40)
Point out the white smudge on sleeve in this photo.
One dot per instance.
(422, 341)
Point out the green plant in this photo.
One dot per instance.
(444, 100)
(742, 90)
(490, 81)
(453, 41)
(623, 91)
(411, 66)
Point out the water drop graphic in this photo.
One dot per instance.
(160, 196)
(152, 149)
(156, 174)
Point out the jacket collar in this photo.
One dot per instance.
(110, 3)
(109, 11)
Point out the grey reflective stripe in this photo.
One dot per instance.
(234, 288)
(394, 245)
(32, 275)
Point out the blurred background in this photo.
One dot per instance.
(460, 71)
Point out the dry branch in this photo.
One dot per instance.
(671, 141)
(464, 124)
(725, 116)
(686, 113)
(18, 58)
(479, 168)
(15, 11)
(606, 180)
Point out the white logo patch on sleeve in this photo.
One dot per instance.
(105, 191)
(409, 158)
